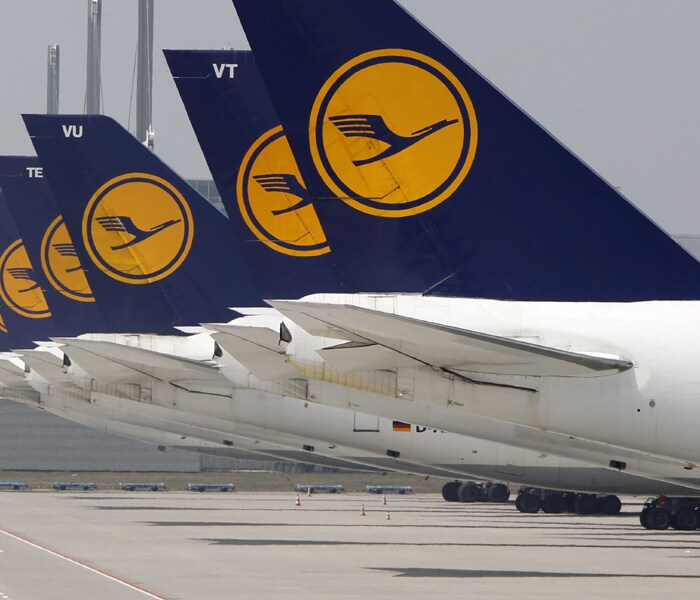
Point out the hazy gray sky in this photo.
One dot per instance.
(617, 82)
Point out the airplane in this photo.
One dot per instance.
(508, 258)
(52, 143)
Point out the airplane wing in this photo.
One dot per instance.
(256, 348)
(388, 338)
(109, 362)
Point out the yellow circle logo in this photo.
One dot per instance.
(138, 228)
(3, 327)
(18, 287)
(273, 199)
(61, 263)
(393, 133)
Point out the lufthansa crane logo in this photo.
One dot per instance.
(273, 199)
(61, 264)
(138, 228)
(393, 133)
(18, 286)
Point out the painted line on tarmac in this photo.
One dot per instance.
(84, 566)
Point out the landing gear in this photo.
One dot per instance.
(609, 505)
(473, 491)
(449, 491)
(498, 492)
(585, 504)
(469, 492)
(680, 513)
(658, 518)
(686, 519)
(528, 503)
(553, 502)
(569, 501)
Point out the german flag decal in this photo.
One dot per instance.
(401, 426)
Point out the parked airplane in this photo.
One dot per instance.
(526, 300)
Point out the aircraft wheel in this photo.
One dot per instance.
(498, 493)
(450, 491)
(518, 505)
(609, 505)
(530, 503)
(659, 518)
(686, 519)
(468, 492)
(569, 501)
(553, 504)
(644, 517)
(585, 504)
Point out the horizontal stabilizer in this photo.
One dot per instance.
(45, 364)
(258, 349)
(447, 347)
(113, 363)
(11, 375)
(313, 323)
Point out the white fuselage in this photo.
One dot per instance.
(652, 409)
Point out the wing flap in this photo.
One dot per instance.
(258, 349)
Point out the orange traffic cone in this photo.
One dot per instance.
(297, 502)
(308, 491)
(362, 510)
(384, 500)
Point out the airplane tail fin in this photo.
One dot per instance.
(432, 180)
(156, 253)
(254, 170)
(51, 251)
(25, 315)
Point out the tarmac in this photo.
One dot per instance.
(213, 545)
